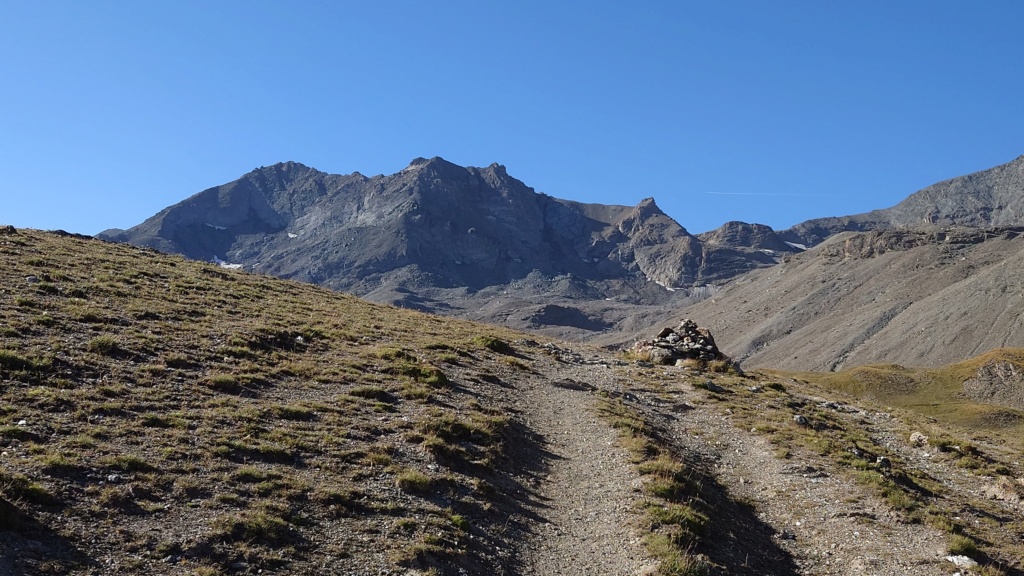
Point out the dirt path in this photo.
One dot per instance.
(827, 522)
(803, 514)
(588, 496)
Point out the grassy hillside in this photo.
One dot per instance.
(940, 393)
(159, 415)
(164, 416)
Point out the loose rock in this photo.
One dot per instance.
(686, 342)
(918, 439)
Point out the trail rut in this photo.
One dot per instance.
(588, 496)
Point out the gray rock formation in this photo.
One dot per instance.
(477, 243)
(906, 297)
(440, 237)
(686, 342)
(992, 198)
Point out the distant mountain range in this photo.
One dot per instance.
(469, 241)
(478, 243)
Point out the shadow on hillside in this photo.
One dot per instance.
(29, 547)
(736, 538)
(528, 458)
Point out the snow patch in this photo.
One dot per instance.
(797, 246)
(227, 265)
(216, 227)
(669, 288)
(290, 235)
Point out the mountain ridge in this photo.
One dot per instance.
(478, 243)
(435, 233)
(985, 199)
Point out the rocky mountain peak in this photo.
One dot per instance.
(743, 235)
(647, 208)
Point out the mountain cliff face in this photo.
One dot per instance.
(434, 234)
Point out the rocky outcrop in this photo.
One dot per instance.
(686, 342)
(997, 383)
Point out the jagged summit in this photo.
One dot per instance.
(434, 226)
(478, 242)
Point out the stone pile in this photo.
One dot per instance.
(687, 342)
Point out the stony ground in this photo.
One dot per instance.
(167, 417)
(774, 508)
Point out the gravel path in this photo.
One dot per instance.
(589, 494)
(802, 515)
(828, 523)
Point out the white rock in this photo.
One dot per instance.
(962, 561)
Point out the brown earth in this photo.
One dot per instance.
(169, 417)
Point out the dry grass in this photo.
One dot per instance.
(933, 392)
(153, 407)
(671, 507)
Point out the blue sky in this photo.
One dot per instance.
(769, 112)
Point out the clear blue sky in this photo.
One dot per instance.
(769, 112)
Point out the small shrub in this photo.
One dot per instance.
(414, 482)
(395, 354)
(721, 367)
(425, 373)
(20, 487)
(44, 320)
(18, 433)
(16, 363)
(239, 352)
(517, 364)
(104, 345)
(960, 545)
(178, 361)
(261, 526)
(129, 463)
(493, 344)
(249, 475)
(687, 522)
(459, 522)
(227, 383)
(372, 393)
(292, 412)
(413, 392)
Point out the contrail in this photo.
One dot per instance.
(759, 194)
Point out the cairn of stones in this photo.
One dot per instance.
(672, 346)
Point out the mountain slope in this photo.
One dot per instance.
(434, 234)
(913, 298)
(165, 416)
(986, 199)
